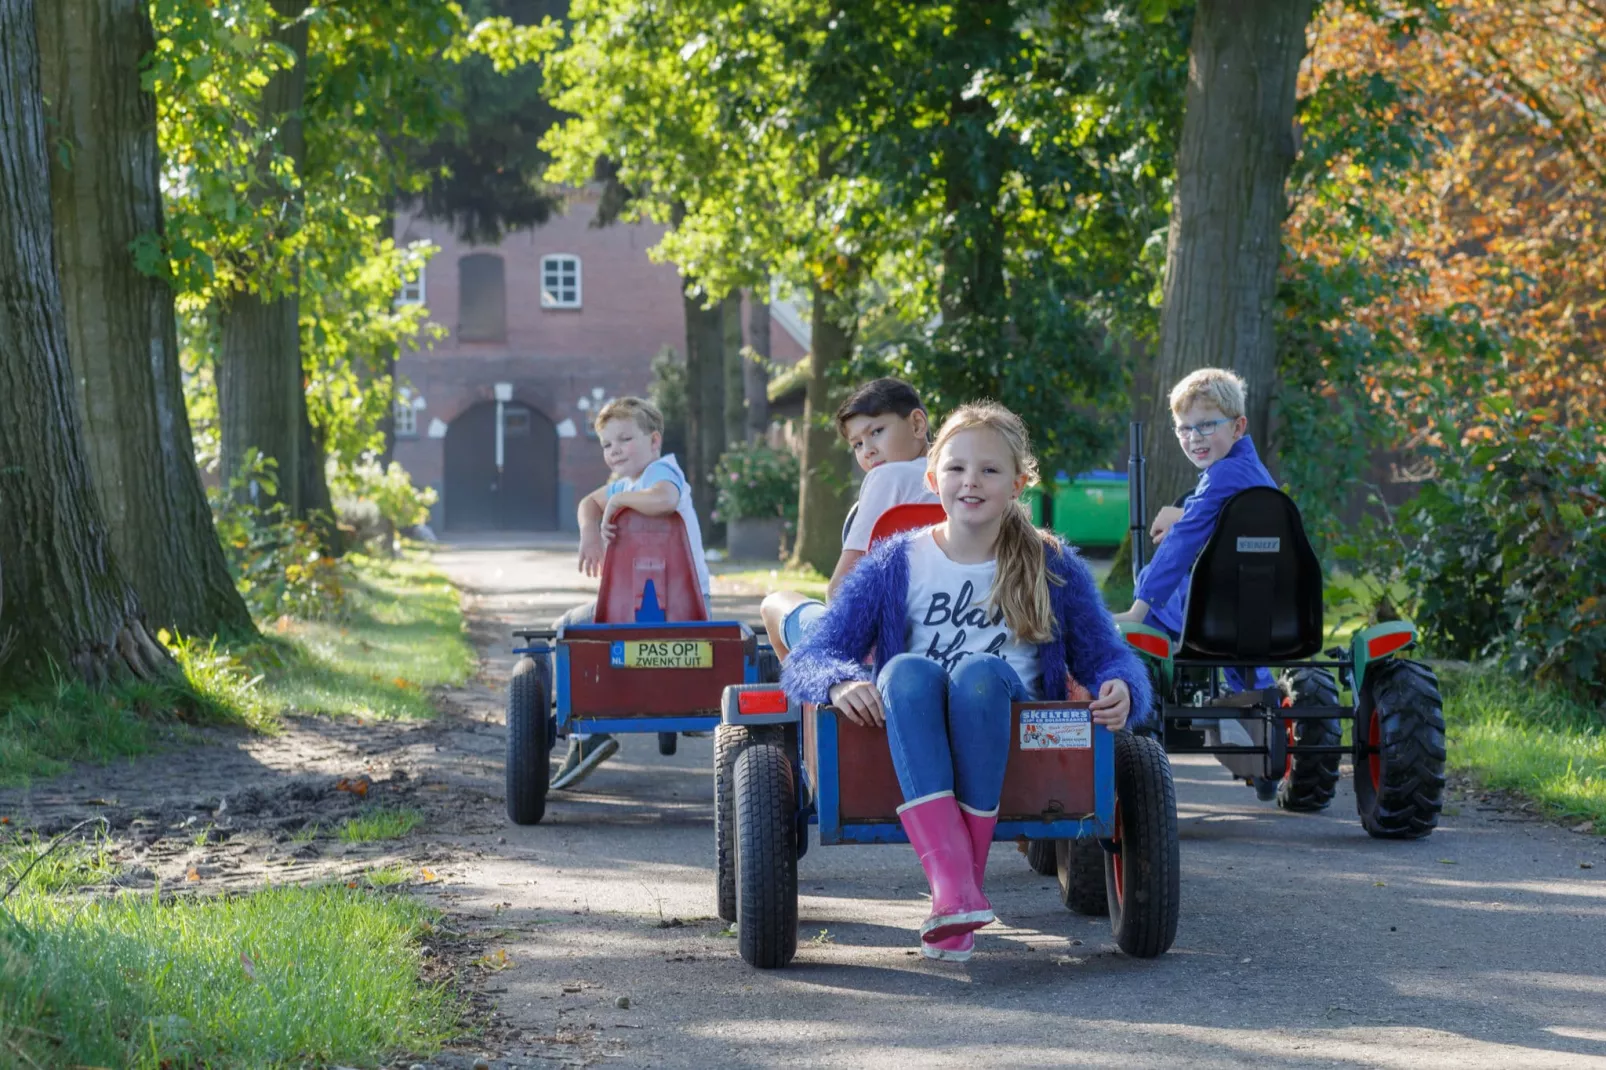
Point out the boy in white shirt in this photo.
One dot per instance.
(632, 435)
(887, 428)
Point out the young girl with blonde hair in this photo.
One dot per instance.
(965, 618)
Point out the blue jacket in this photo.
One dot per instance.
(870, 610)
(1163, 581)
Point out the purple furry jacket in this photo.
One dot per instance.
(870, 609)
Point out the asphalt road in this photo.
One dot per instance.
(1302, 942)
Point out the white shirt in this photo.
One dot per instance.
(947, 615)
(667, 470)
(886, 485)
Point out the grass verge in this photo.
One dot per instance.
(284, 977)
(1533, 740)
(400, 635)
(739, 577)
(380, 823)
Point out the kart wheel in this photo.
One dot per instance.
(1040, 856)
(766, 857)
(1142, 875)
(1399, 790)
(769, 667)
(1311, 779)
(528, 769)
(1080, 865)
(729, 742)
(667, 743)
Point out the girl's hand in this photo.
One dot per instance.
(859, 702)
(1110, 709)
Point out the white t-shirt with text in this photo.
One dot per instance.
(667, 470)
(893, 483)
(947, 615)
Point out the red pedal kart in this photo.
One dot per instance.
(779, 767)
(651, 661)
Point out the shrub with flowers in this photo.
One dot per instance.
(754, 481)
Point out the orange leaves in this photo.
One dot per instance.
(358, 787)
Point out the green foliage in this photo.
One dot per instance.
(380, 823)
(389, 488)
(285, 977)
(1505, 550)
(277, 562)
(68, 867)
(755, 481)
(667, 390)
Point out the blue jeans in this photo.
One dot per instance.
(1168, 619)
(950, 733)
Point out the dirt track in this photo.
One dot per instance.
(1302, 942)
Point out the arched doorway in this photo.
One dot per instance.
(523, 496)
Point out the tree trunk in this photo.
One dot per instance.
(1226, 220)
(121, 335)
(735, 380)
(67, 604)
(705, 399)
(824, 497)
(756, 371)
(260, 402)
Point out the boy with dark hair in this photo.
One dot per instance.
(886, 427)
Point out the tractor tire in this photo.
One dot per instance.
(528, 769)
(729, 742)
(668, 742)
(1399, 791)
(1080, 865)
(1040, 856)
(766, 857)
(1142, 876)
(1312, 779)
(769, 667)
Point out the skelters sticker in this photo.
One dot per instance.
(1055, 729)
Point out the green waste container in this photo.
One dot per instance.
(1091, 510)
(1032, 498)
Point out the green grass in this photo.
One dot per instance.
(402, 634)
(1511, 735)
(380, 823)
(70, 866)
(389, 876)
(285, 977)
(805, 580)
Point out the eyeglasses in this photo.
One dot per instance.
(1205, 428)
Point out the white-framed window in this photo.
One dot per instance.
(412, 293)
(406, 425)
(560, 281)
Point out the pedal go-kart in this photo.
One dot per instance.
(1255, 599)
(779, 767)
(651, 661)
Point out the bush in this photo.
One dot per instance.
(277, 561)
(368, 496)
(1505, 552)
(755, 481)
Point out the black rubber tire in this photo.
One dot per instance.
(1040, 856)
(769, 667)
(1400, 792)
(1142, 879)
(766, 857)
(1312, 779)
(668, 742)
(1080, 865)
(729, 742)
(529, 768)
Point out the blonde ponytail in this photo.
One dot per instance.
(1020, 586)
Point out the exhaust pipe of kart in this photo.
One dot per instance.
(1137, 499)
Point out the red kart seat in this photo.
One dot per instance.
(648, 575)
(911, 516)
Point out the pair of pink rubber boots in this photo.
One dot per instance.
(952, 844)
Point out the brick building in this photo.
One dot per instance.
(542, 328)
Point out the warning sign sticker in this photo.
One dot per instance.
(1051, 729)
(662, 654)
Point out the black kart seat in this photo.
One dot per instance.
(1255, 593)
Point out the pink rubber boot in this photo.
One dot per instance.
(958, 948)
(941, 840)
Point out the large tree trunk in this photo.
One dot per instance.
(1227, 213)
(756, 372)
(824, 497)
(260, 403)
(67, 604)
(735, 381)
(705, 399)
(121, 335)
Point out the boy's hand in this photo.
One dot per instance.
(1168, 515)
(859, 702)
(1112, 706)
(610, 527)
(592, 547)
(1136, 615)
